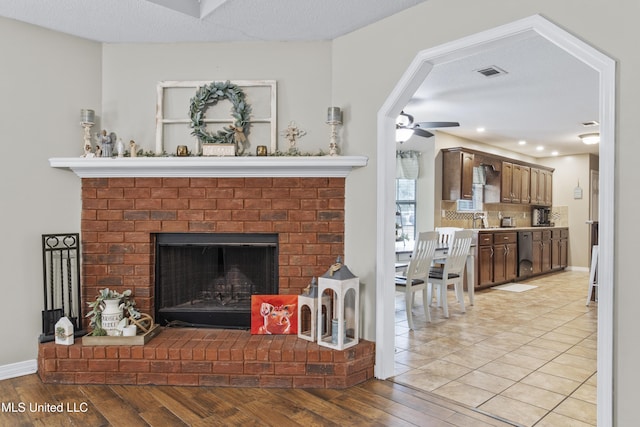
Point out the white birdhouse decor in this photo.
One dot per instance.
(64, 331)
(342, 287)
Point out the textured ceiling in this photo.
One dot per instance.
(130, 21)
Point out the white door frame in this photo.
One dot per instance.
(385, 255)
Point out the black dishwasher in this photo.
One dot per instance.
(525, 253)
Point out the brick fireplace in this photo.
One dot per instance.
(120, 217)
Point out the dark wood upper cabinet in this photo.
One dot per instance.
(457, 172)
(507, 180)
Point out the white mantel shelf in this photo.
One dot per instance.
(211, 167)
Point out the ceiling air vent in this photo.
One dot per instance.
(491, 71)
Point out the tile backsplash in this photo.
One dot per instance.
(450, 217)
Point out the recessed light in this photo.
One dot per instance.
(480, 129)
(554, 153)
(539, 148)
(522, 142)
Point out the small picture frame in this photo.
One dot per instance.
(274, 314)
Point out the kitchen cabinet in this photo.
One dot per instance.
(485, 260)
(497, 258)
(512, 182)
(548, 180)
(505, 258)
(457, 175)
(497, 254)
(507, 182)
(541, 187)
(559, 248)
(534, 186)
(525, 184)
(541, 251)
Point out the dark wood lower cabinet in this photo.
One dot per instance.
(541, 251)
(497, 255)
(559, 248)
(497, 258)
(485, 265)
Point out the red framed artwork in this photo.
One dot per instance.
(274, 314)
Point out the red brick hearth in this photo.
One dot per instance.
(209, 357)
(119, 219)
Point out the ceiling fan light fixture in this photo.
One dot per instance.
(590, 138)
(403, 134)
(404, 119)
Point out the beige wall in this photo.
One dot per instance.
(368, 63)
(46, 79)
(131, 73)
(569, 170)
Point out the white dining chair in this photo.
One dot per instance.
(452, 271)
(445, 235)
(417, 272)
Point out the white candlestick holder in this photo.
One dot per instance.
(87, 147)
(334, 118)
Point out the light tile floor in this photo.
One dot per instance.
(526, 357)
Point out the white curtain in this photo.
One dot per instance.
(407, 164)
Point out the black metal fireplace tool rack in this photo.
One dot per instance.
(61, 275)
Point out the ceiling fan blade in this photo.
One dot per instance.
(422, 132)
(431, 125)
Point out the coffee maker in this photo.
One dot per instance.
(541, 217)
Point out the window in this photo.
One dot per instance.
(405, 213)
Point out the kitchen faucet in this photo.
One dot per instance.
(478, 216)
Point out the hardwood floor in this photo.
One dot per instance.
(373, 403)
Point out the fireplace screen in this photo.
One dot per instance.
(207, 279)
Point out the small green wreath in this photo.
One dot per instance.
(209, 95)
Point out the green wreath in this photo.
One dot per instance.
(209, 95)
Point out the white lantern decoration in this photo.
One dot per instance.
(64, 331)
(339, 284)
(308, 312)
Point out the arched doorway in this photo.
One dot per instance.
(412, 78)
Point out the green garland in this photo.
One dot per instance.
(209, 95)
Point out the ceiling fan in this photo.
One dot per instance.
(405, 127)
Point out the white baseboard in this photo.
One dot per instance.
(574, 268)
(18, 369)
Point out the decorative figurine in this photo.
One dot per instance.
(88, 150)
(293, 133)
(120, 147)
(133, 148)
(105, 143)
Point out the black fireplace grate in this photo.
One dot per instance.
(207, 279)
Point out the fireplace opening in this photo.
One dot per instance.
(207, 279)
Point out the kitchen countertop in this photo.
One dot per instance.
(515, 228)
